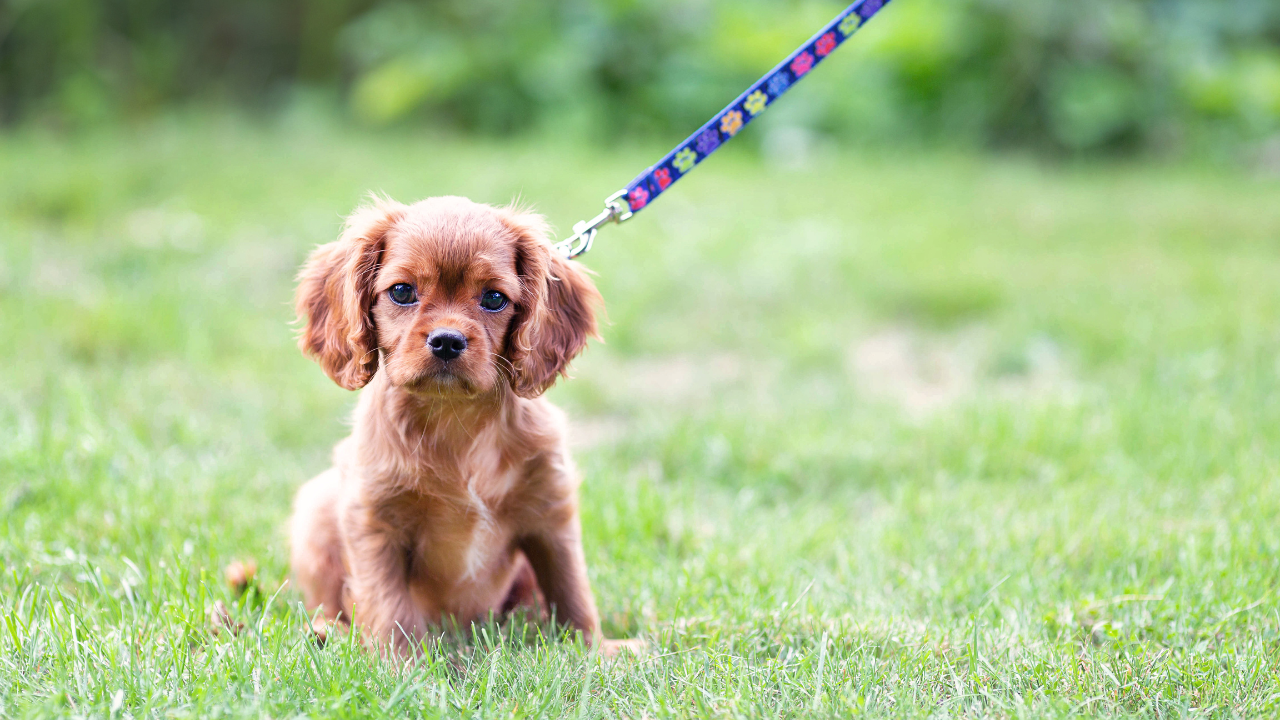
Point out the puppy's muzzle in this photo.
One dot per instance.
(446, 343)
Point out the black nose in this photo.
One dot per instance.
(446, 343)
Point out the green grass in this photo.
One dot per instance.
(903, 435)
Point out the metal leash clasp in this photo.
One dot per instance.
(616, 210)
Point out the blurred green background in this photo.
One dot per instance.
(1085, 75)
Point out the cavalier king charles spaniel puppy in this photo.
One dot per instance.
(454, 496)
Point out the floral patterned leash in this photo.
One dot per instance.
(720, 129)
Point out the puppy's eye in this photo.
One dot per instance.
(402, 294)
(493, 301)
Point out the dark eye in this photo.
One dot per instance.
(493, 301)
(402, 294)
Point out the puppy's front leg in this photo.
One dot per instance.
(556, 556)
(379, 582)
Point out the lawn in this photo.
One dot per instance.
(898, 434)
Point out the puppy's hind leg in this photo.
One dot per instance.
(316, 549)
(523, 594)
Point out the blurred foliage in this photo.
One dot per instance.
(1083, 75)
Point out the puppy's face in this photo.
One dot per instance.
(444, 297)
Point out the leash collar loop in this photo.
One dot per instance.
(616, 210)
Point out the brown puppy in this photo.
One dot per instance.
(455, 488)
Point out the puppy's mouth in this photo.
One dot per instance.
(441, 381)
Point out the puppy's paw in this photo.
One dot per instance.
(320, 631)
(613, 648)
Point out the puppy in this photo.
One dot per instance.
(454, 496)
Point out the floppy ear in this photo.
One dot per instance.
(335, 294)
(556, 315)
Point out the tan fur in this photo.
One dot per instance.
(455, 482)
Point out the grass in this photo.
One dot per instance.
(895, 435)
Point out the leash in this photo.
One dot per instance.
(648, 185)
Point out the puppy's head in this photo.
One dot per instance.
(445, 297)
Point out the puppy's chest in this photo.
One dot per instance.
(462, 528)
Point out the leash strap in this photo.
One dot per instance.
(726, 124)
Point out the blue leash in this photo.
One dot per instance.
(651, 183)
